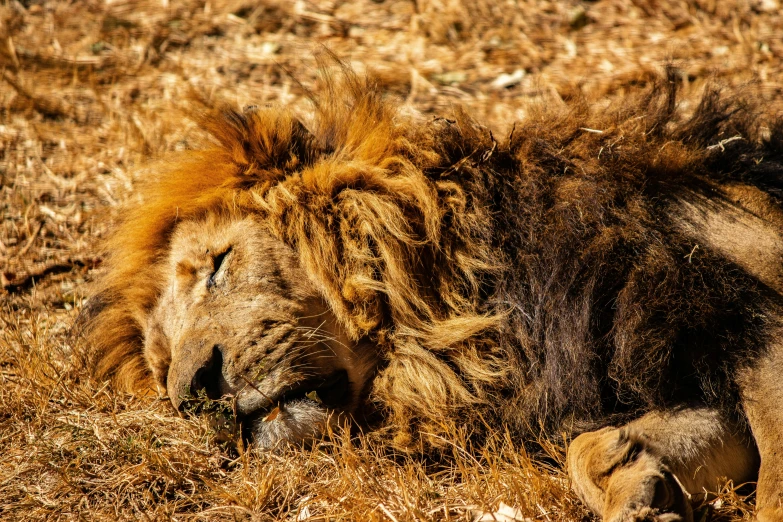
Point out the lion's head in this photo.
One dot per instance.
(308, 275)
(238, 317)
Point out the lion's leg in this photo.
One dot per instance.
(762, 390)
(646, 469)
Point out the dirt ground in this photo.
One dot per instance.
(92, 90)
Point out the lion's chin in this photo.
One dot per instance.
(297, 422)
(299, 413)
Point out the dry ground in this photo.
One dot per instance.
(91, 89)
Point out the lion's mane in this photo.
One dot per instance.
(529, 280)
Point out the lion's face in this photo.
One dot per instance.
(239, 318)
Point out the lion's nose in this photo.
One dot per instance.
(207, 378)
(198, 375)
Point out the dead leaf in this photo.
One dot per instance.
(272, 415)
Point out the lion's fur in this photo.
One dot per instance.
(546, 275)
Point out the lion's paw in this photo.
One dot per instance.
(637, 495)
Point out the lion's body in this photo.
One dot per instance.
(586, 270)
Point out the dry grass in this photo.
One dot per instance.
(91, 89)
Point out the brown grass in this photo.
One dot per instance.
(90, 90)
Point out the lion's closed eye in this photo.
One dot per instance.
(219, 268)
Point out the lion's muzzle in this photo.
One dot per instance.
(199, 375)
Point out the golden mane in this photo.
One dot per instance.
(351, 195)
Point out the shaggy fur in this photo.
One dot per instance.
(544, 280)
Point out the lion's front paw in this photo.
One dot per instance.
(637, 493)
(625, 480)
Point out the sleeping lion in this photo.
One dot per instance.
(614, 274)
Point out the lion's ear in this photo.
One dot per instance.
(305, 148)
(264, 142)
(271, 139)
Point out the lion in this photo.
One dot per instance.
(614, 274)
